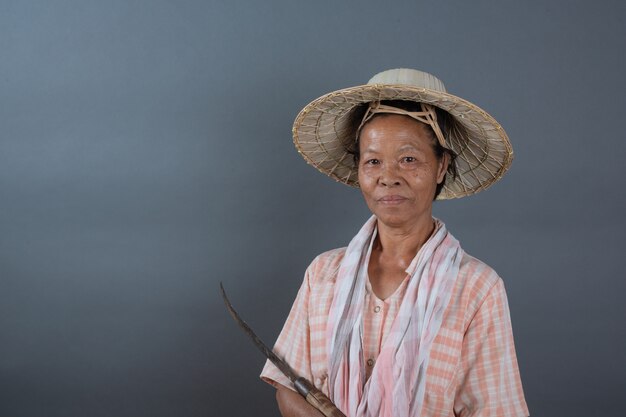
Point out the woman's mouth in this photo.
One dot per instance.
(392, 199)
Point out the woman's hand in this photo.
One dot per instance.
(292, 404)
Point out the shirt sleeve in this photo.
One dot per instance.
(489, 382)
(293, 343)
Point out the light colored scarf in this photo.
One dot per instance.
(397, 383)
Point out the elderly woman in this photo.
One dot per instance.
(402, 322)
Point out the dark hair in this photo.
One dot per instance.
(446, 123)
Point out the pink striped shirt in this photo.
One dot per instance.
(472, 370)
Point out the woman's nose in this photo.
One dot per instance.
(389, 175)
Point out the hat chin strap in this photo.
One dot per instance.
(427, 115)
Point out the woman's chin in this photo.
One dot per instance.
(395, 220)
(401, 218)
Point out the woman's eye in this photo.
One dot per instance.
(372, 162)
(408, 159)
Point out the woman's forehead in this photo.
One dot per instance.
(394, 132)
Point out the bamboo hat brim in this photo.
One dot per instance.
(321, 128)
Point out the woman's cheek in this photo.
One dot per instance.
(368, 170)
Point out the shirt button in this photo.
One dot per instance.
(370, 362)
(376, 309)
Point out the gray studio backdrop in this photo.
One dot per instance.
(146, 155)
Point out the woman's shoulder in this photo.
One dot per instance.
(323, 269)
(475, 281)
(477, 272)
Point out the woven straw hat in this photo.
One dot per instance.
(320, 130)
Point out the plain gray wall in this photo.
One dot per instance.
(146, 155)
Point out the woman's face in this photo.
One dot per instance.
(398, 169)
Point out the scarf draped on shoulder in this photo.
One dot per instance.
(397, 383)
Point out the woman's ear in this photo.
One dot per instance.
(443, 167)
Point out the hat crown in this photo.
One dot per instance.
(407, 76)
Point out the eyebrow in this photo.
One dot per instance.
(370, 150)
(408, 147)
(403, 148)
